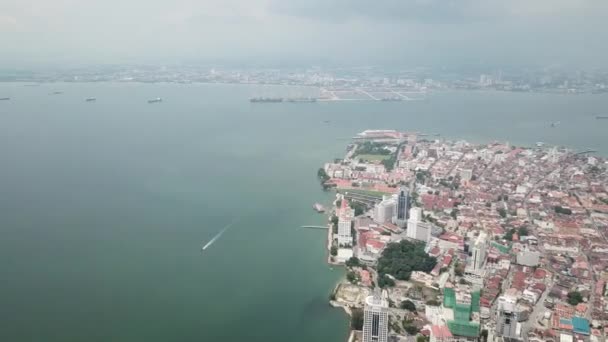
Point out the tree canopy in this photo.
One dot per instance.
(575, 297)
(402, 258)
(408, 305)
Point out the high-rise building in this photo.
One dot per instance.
(402, 207)
(385, 210)
(416, 229)
(479, 251)
(506, 326)
(375, 318)
(345, 219)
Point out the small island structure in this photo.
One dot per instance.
(467, 241)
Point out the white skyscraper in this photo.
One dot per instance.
(385, 210)
(416, 229)
(479, 251)
(345, 219)
(375, 318)
(506, 326)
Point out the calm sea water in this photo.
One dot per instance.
(105, 205)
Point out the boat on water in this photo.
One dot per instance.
(90, 99)
(319, 208)
(4, 98)
(56, 93)
(555, 124)
(266, 99)
(601, 117)
(158, 99)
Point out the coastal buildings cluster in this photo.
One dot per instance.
(517, 235)
(348, 83)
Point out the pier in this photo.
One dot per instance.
(315, 227)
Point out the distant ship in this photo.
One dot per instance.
(318, 207)
(600, 117)
(302, 100)
(4, 98)
(391, 99)
(90, 99)
(266, 99)
(158, 99)
(56, 93)
(554, 124)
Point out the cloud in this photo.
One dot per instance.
(417, 32)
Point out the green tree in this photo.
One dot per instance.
(484, 335)
(433, 302)
(400, 259)
(334, 219)
(408, 305)
(422, 338)
(352, 277)
(575, 298)
(333, 251)
(353, 262)
(410, 328)
(502, 212)
(522, 231)
(356, 319)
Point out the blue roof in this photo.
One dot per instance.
(580, 325)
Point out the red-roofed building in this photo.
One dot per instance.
(440, 333)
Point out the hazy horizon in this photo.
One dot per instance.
(274, 32)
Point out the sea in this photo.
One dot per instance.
(105, 205)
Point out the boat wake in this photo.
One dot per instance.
(218, 235)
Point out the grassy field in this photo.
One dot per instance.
(364, 192)
(373, 157)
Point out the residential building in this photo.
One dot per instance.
(506, 325)
(528, 258)
(416, 229)
(345, 221)
(478, 251)
(385, 210)
(375, 318)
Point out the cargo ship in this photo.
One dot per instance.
(4, 98)
(266, 99)
(158, 99)
(90, 99)
(302, 100)
(600, 117)
(319, 208)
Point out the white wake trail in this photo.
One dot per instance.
(218, 235)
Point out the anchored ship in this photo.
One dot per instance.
(266, 99)
(158, 99)
(318, 207)
(90, 99)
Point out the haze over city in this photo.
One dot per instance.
(304, 32)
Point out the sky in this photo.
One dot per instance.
(306, 32)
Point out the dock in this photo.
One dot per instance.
(315, 227)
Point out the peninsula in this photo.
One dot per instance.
(448, 240)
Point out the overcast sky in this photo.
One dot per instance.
(364, 32)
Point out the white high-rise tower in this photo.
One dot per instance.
(375, 318)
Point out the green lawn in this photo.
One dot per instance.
(372, 157)
(365, 192)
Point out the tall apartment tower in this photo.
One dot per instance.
(402, 207)
(506, 325)
(479, 251)
(375, 318)
(345, 219)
